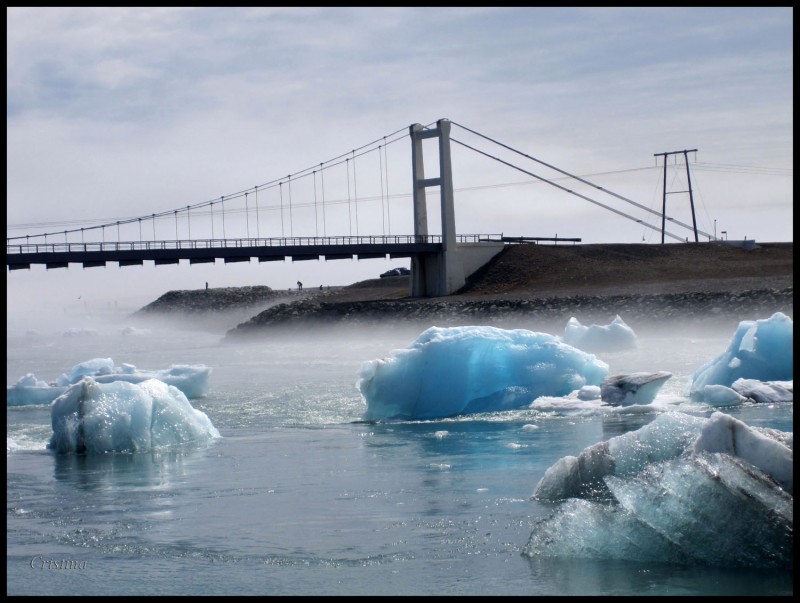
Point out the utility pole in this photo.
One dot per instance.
(691, 197)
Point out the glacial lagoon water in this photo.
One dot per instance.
(301, 497)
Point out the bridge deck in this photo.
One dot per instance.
(59, 255)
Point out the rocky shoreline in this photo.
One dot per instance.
(526, 286)
(720, 307)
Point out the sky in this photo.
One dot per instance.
(118, 113)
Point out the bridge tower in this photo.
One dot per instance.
(442, 273)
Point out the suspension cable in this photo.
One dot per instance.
(616, 211)
(639, 205)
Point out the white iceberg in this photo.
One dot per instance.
(92, 417)
(192, 380)
(596, 338)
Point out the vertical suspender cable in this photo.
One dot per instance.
(322, 183)
(316, 220)
(349, 214)
(280, 189)
(388, 206)
(258, 227)
(291, 227)
(383, 215)
(355, 189)
(222, 200)
(246, 216)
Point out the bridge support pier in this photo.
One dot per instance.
(439, 274)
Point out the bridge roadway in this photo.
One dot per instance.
(134, 253)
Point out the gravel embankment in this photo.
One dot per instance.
(703, 283)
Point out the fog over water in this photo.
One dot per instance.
(299, 495)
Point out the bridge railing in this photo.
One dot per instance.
(344, 240)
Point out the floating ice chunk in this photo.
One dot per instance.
(765, 391)
(667, 436)
(681, 489)
(723, 433)
(93, 368)
(632, 388)
(92, 417)
(460, 370)
(595, 338)
(30, 390)
(720, 395)
(589, 392)
(720, 511)
(760, 349)
(192, 380)
(587, 530)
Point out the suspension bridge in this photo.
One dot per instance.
(252, 223)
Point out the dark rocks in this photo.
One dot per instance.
(693, 307)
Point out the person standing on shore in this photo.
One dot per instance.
(299, 286)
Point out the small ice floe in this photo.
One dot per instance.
(632, 388)
(192, 380)
(765, 391)
(30, 390)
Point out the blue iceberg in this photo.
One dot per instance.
(473, 369)
(91, 417)
(760, 349)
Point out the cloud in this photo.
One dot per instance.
(123, 112)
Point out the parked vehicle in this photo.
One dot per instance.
(399, 271)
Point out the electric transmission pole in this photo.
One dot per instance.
(691, 197)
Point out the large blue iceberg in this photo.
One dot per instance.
(762, 350)
(192, 380)
(682, 489)
(91, 417)
(472, 369)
